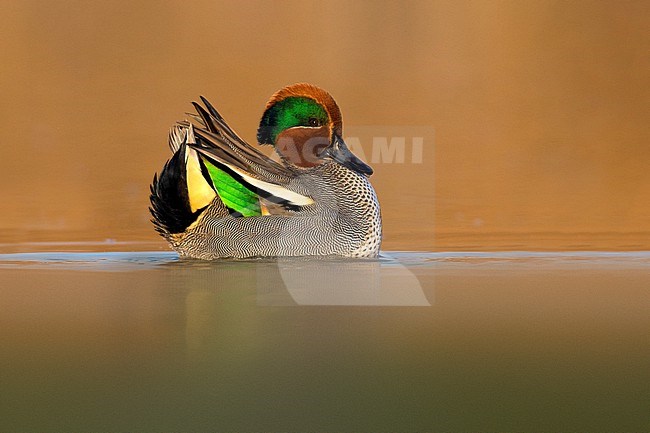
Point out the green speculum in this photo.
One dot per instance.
(233, 193)
(288, 113)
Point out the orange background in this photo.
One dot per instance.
(540, 110)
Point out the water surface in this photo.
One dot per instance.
(142, 341)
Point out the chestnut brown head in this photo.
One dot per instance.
(304, 124)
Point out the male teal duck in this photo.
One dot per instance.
(219, 197)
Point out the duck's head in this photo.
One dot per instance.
(304, 124)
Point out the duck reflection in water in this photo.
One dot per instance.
(214, 290)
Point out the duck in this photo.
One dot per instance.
(219, 197)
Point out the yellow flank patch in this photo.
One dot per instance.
(199, 191)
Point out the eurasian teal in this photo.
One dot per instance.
(219, 197)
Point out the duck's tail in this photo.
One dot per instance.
(173, 208)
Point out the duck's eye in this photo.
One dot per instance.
(313, 121)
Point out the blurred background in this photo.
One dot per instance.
(539, 110)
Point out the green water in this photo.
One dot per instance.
(411, 342)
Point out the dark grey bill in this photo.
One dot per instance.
(340, 153)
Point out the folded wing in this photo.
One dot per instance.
(213, 166)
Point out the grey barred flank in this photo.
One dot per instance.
(345, 221)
